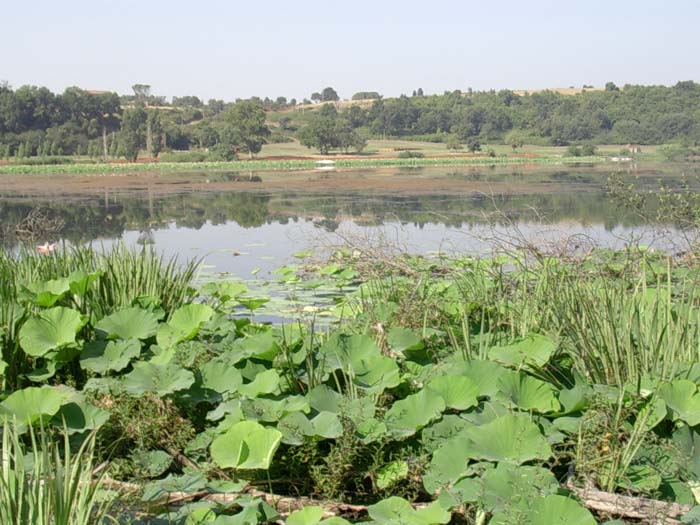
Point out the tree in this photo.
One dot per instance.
(244, 127)
(316, 97)
(366, 95)
(154, 134)
(321, 131)
(329, 95)
(610, 86)
(515, 139)
(473, 144)
(453, 142)
(132, 135)
(419, 93)
(142, 92)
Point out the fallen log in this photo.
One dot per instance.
(648, 510)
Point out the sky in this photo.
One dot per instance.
(237, 49)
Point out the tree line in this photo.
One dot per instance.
(36, 122)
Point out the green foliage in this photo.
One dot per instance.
(244, 128)
(47, 483)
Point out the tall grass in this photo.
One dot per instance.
(616, 327)
(45, 483)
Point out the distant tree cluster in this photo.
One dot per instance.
(36, 122)
(366, 95)
(631, 114)
(330, 130)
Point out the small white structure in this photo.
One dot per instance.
(325, 165)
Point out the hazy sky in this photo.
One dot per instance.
(230, 49)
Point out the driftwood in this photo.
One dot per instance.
(282, 504)
(645, 509)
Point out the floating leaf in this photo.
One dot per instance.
(246, 445)
(51, 329)
(129, 323)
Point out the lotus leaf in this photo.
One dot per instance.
(682, 397)
(409, 415)
(246, 445)
(533, 350)
(511, 438)
(458, 392)
(151, 464)
(184, 324)
(158, 379)
(129, 323)
(554, 510)
(79, 416)
(30, 404)
(50, 330)
(46, 293)
(398, 511)
(105, 356)
(528, 393)
(220, 375)
(484, 374)
(266, 382)
(402, 339)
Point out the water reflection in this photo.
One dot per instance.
(266, 225)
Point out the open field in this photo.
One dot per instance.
(379, 153)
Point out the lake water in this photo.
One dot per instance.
(245, 223)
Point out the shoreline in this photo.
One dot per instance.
(290, 165)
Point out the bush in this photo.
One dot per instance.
(453, 143)
(411, 155)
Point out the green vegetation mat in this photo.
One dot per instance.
(403, 390)
(280, 165)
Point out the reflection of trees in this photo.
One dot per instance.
(93, 218)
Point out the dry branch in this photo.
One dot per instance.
(649, 510)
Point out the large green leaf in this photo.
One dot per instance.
(184, 324)
(409, 415)
(533, 350)
(79, 416)
(157, 379)
(50, 330)
(104, 356)
(510, 438)
(30, 404)
(558, 510)
(46, 293)
(246, 445)
(266, 382)
(683, 399)
(398, 511)
(129, 323)
(509, 486)
(458, 392)
(221, 376)
(528, 393)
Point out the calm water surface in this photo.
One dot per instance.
(249, 223)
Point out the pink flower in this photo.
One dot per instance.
(46, 248)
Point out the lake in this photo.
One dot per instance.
(249, 223)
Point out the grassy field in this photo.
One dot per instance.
(378, 153)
